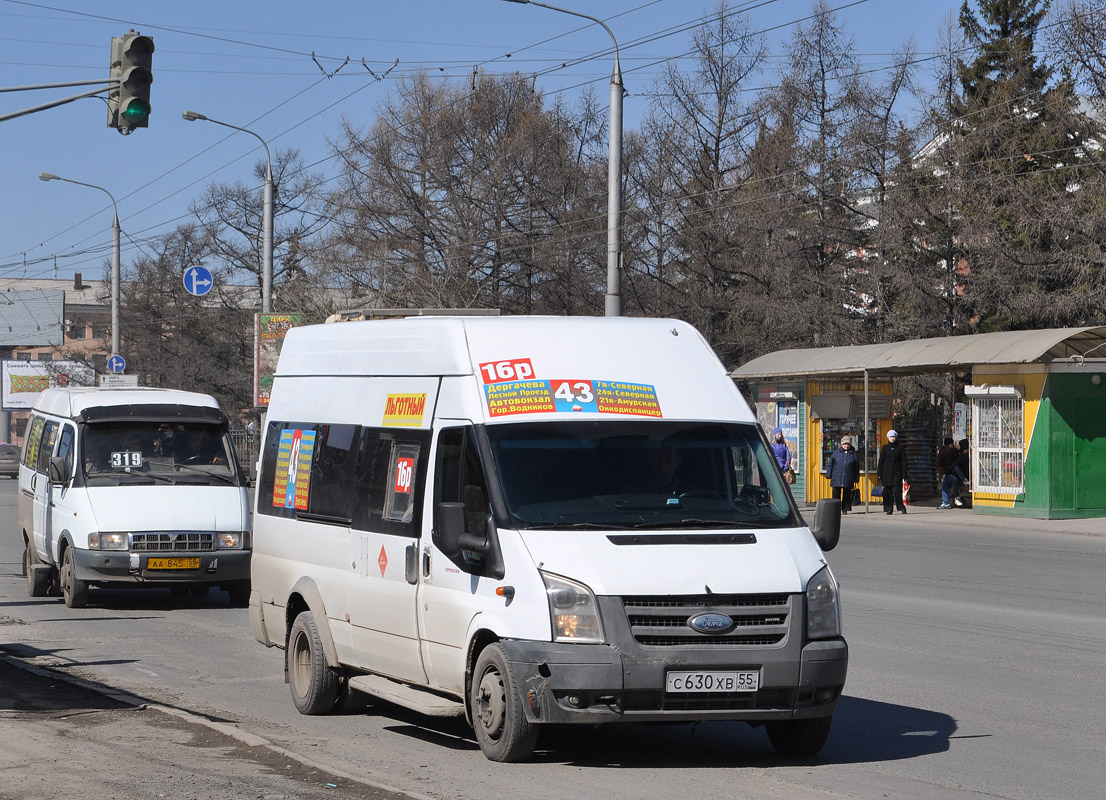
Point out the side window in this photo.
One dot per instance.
(34, 437)
(332, 493)
(391, 473)
(284, 485)
(368, 478)
(460, 477)
(65, 446)
(46, 447)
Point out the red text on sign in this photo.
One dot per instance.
(516, 369)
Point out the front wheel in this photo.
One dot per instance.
(314, 685)
(73, 589)
(800, 737)
(502, 730)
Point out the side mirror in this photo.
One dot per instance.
(451, 538)
(827, 523)
(450, 528)
(58, 471)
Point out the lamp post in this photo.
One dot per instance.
(267, 215)
(46, 176)
(613, 299)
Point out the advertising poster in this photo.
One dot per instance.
(269, 330)
(23, 380)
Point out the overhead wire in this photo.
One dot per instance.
(488, 61)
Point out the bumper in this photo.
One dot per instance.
(121, 566)
(591, 684)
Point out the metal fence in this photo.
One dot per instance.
(245, 445)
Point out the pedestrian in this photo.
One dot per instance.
(843, 470)
(780, 450)
(891, 470)
(947, 457)
(963, 470)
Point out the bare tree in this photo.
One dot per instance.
(231, 217)
(471, 197)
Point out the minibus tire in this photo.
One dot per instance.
(38, 580)
(800, 737)
(73, 589)
(500, 724)
(314, 685)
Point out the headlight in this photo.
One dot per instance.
(228, 540)
(823, 607)
(107, 541)
(573, 610)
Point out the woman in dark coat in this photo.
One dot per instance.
(843, 469)
(891, 470)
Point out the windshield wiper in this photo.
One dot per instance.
(205, 473)
(695, 523)
(573, 526)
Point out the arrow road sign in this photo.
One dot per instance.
(116, 364)
(198, 280)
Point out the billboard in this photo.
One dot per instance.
(21, 381)
(269, 330)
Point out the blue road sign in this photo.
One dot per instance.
(198, 280)
(116, 364)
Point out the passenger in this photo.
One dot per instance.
(891, 471)
(843, 470)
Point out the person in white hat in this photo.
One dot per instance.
(891, 470)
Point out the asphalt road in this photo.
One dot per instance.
(977, 651)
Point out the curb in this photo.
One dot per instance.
(234, 732)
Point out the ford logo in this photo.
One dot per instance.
(710, 623)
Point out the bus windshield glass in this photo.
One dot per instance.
(143, 452)
(638, 474)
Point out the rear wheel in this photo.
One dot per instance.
(314, 685)
(800, 737)
(73, 589)
(502, 730)
(38, 580)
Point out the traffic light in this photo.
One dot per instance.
(132, 57)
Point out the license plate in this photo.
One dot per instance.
(173, 563)
(712, 681)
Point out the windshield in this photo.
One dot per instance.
(637, 474)
(144, 452)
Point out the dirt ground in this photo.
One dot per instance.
(61, 740)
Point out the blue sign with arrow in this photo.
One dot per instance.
(116, 364)
(198, 280)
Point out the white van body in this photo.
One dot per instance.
(132, 486)
(468, 515)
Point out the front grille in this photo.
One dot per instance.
(175, 541)
(662, 621)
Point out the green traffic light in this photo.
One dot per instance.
(136, 113)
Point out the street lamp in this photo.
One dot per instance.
(46, 176)
(613, 300)
(267, 216)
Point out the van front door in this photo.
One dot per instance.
(40, 485)
(453, 590)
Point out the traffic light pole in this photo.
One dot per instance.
(54, 103)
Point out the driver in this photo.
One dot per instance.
(661, 474)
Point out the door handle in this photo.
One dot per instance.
(426, 563)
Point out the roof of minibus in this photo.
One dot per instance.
(71, 402)
(629, 355)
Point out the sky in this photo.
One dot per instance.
(279, 68)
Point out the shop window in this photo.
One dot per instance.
(998, 430)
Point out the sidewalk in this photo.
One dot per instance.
(928, 513)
